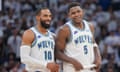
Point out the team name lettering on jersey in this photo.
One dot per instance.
(83, 38)
(46, 44)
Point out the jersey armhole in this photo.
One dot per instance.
(34, 40)
(52, 34)
(70, 37)
(88, 26)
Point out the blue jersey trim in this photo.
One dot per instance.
(71, 35)
(41, 33)
(78, 28)
(35, 40)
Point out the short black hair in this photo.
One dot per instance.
(73, 4)
(39, 10)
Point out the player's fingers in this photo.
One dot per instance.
(96, 68)
(77, 69)
(57, 65)
(92, 68)
(56, 71)
(56, 68)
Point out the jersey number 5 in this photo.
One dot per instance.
(85, 49)
(48, 55)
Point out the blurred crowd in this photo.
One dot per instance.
(19, 15)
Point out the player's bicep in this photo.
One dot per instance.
(61, 39)
(27, 37)
(92, 30)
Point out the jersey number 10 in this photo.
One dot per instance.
(48, 55)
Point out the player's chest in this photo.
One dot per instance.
(45, 42)
(82, 37)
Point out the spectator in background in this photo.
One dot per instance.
(112, 24)
(111, 47)
(7, 32)
(118, 31)
(13, 64)
(30, 23)
(3, 25)
(10, 63)
(18, 67)
(2, 48)
(24, 24)
(2, 68)
(111, 64)
(105, 4)
(17, 24)
(111, 42)
(14, 42)
(101, 16)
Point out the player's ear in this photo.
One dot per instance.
(69, 15)
(37, 17)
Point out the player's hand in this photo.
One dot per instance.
(57, 68)
(53, 67)
(97, 62)
(78, 66)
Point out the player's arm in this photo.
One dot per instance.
(54, 36)
(97, 60)
(25, 50)
(61, 40)
(57, 65)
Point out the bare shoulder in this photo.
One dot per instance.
(91, 27)
(64, 30)
(61, 37)
(28, 37)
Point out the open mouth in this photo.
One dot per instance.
(77, 18)
(47, 22)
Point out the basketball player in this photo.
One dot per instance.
(75, 43)
(37, 49)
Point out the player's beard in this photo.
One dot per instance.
(44, 25)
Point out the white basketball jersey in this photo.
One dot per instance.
(42, 47)
(80, 45)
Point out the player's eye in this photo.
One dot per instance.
(73, 13)
(45, 15)
(50, 15)
(78, 11)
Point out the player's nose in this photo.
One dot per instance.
(49, 18)
(76, 15)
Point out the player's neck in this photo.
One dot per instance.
(79, 25)
(41, 29)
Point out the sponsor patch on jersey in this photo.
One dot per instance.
(75, 32)
(39, 36)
